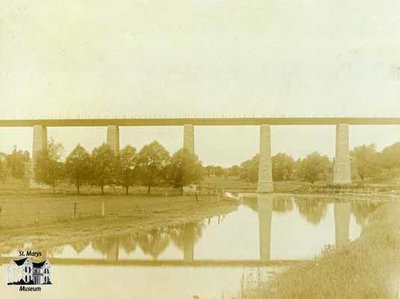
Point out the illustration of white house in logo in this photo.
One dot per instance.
(24, 272)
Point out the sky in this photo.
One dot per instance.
(201, 58)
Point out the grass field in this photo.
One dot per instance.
(55, 219)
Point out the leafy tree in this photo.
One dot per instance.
(366, 160)
(233, 171)
(209, 171)
(250, 169)
(48, 165)
(213, 170)
(314, 167)
(282, 167)
(17, 162)
(184, 169)
(104, 162)
(390, 156)
(152, 162)
(78, 166)
(127, 167)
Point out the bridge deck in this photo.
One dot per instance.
(245, 121)
(166, 263)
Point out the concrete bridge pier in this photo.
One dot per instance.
(265, 183)
(189, 232)
(264, 205)
(113, 138)
(39, 144)
(188, 137)
(112, 253)
(342, 223)
(342, 167)
(39, 139)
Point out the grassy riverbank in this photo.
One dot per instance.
(234, 184)
(47, 220)
(366, 268)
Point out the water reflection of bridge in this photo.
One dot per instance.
(165, 263)
(153, 243)
(342, 212)
(186, 236)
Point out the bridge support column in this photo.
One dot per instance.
(39, 144)
(188, 137)
(188, 242)
(113, 138)
(264, 205)
(342, 223)
(265, 183)
(342, 167)
(112, 253)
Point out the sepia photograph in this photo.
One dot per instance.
(200, 149)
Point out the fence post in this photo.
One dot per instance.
(37, 216)
(75, 210)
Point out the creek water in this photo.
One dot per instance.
(208, 259)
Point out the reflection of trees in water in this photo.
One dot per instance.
(80, 246)
(154, 242)
(8, 248)
(361, 211)
(186, 234)
(108, 246)
(251, 202)
(129, 243)
(282, 205)
(314, 211)
(48, 251)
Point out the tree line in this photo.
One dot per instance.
(154, 166)
(14, 164)
(366, 163)
(151, 166)
(314, 167)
